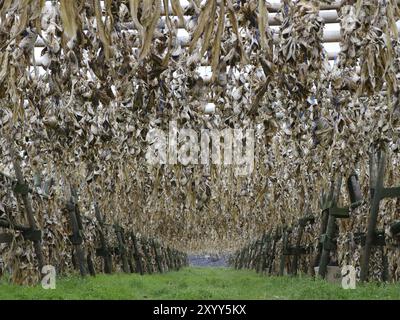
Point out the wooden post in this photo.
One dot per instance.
(378, 193)
(168, 258)
(235, 259)
(163, 258)
(251, 254)
(298, 249)
(104, 250)
(327, 239)
(137, 255)
(327, 246)
(264, 252)
(174, 260)
(76, 237)
(171, 259)
(325, 203)
(377, 172)
(147, 255)
(354, 189)
(271, 259)
(385, 265)
(157, 256)
(258, 253)
(247, 257)
(90, 264)
(243, 257)
(22, 189)
(284, 248)
(119, 232)
(324, 225)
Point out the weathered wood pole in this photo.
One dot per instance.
(137, 255)
(76, 237)
(103, 251)
(23, 191)
(147, 256)
(327, 242)
(264, 252)
(283, 253)
(271, 257)
(157, 256)
(377, 174)
(119, 231)
(297, 249)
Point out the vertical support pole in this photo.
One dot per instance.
(326, 246)
(121, 247)
(166, 259)
(324, 226)
(273, 251)
(90, 264)
(104, 248)
(327, 243)
(237, 259)
(157, 256)
(256, 250)
(307, 219)
(284, 247)
(326, 202)
(163, 258)
(147, 256)
(297, 248)
(174, 259)
(27, 205)
(248, 256)
(76, 237)
(252, 254)
(137, 255)
(373, 217)
(385, 265)
(169, 258)
(242, 257)
(264, 253)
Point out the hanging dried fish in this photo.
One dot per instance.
(68, 16)
(90, 110)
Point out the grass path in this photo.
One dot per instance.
(197, 283)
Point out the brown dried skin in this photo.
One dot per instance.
(368, 29)
(300, 54)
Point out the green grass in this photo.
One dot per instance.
(198, 283)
